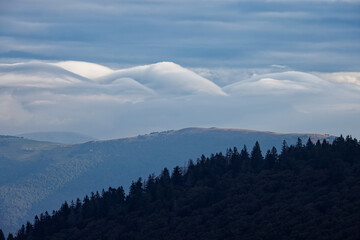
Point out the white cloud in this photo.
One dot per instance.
(167, 78)
(284, 83)
(341, 77)
(35, 75)
(12, 111)
(85, 69)
(44, 96)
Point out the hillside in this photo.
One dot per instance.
(308, 191)
(40, 179)
(19, 156)
(58, 137)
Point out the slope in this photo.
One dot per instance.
(58, 137)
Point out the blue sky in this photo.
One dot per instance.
(277, 65)
(304, 35)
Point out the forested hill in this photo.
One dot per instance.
(39, 176)
(307, 191)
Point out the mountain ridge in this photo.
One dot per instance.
(57, 137)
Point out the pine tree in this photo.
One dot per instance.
(165, 176)
(245, 159)
(256, 158)
(10, 236)
(299, 144)
(309, 145)
(176, 176)
(2, 237)
(284, 148)
(283, 158)
(21, 233)
(271, 158)
(28, 228)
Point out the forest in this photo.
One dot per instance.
(303, 191)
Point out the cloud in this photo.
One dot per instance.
(85, 69)
(278, 66)
(284, 83)
(40, 87)
(270, 85)
(52, 96)
(341, 77)
(167, 78)
(200, 34)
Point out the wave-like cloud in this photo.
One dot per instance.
(85, 69)
(279, 83)
(167, 78)
(104, 102)
(162, 78)
(352, 78)
(37, 74)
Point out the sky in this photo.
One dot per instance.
(239, 64)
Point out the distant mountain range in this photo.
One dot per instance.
(57, 137)
(39, 176)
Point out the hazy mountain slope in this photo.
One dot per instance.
(58, 137)
(64, 172)
(31, 171)
(19, 157)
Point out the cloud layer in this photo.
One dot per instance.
(108, 102)
(230, 34)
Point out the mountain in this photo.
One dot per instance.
(20, 156)
(42, 175)
(308, 191)
(58, 137)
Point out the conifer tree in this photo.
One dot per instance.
(245, 159)
(10, 236)
(2, 237)
(271, 158)
(309, 144)
(284, 147)
(256, 158)
(299, 144)
(21, 233)
(28, 228)
(176, 176)
(165, 176)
